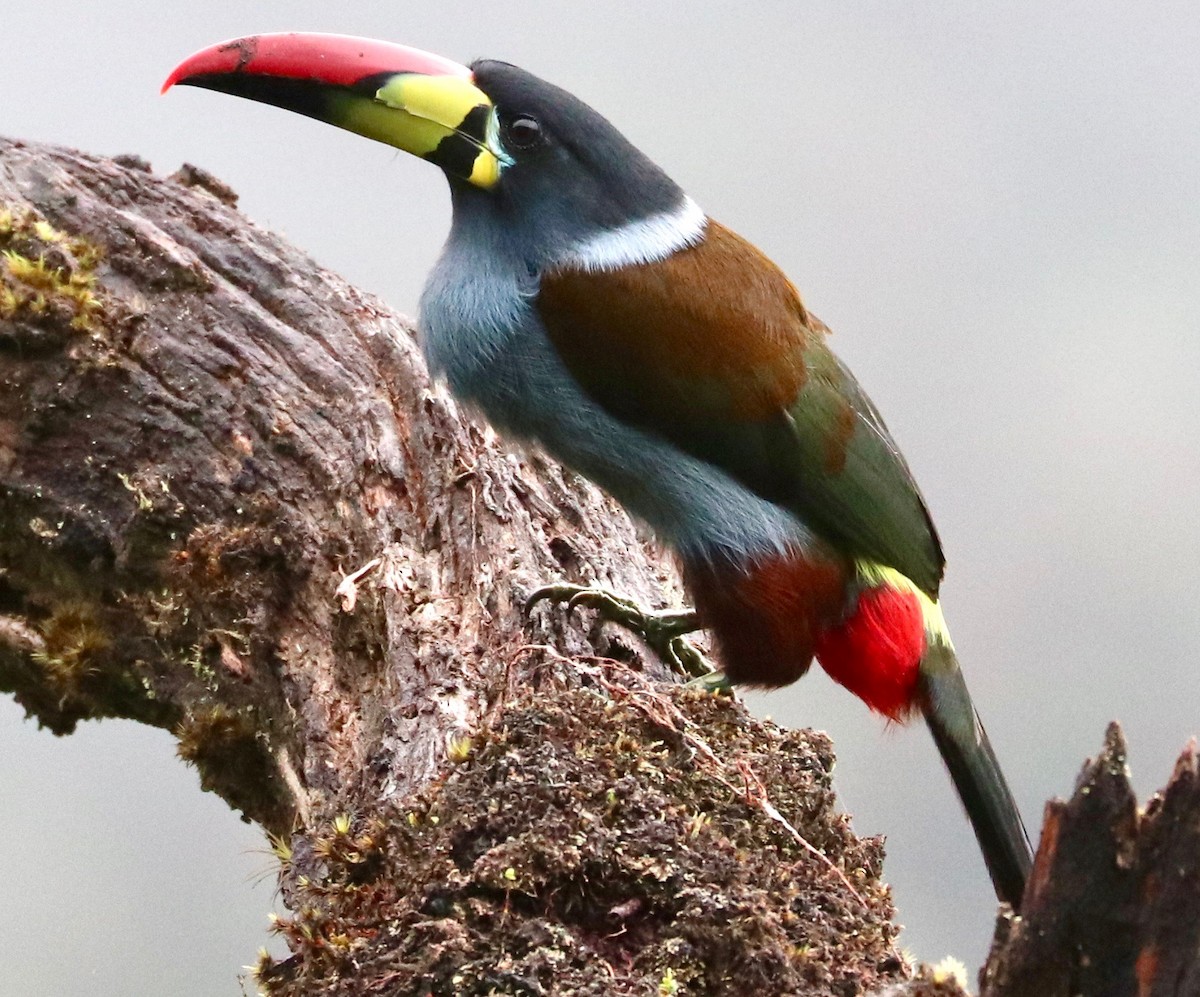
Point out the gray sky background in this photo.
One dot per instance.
(996, 208)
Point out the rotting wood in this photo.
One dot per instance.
(1113, 906)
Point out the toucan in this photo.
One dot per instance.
(585, 302)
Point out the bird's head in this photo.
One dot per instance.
(546, 162)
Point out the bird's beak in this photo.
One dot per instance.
(401, 96)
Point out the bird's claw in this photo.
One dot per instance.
(662, 630)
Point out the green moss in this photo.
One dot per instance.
(200, 667)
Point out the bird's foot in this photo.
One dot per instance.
(663, 630)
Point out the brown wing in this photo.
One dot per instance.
(715, 331)
(713, 349)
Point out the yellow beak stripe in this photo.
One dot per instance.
(437, 107)
(384, 124)
(444, 119)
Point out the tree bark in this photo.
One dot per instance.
(232, 505)
(1113, 906)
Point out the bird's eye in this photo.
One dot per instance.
(524, 131)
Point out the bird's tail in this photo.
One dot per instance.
(981, 785)
(895, 653)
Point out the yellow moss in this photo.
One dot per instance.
(950, 970)
(87, 254)
(210, 732)
(30, 284)
(281, 847)
(144, 502)
(459, 749)
(262, 965)
(47, 232)
(347, 854)
(34, 273)
(10, 302)
(74, 640)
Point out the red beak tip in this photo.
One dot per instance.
(335, 60)
(179, 74)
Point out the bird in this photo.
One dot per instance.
(585, 302)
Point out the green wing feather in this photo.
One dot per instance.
(851, 483)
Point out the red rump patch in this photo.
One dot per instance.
(765, 616)
(876, 653)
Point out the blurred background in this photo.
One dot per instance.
(995, 207)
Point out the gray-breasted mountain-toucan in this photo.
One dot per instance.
(584, 301)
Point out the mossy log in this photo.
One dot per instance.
(232, 505)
